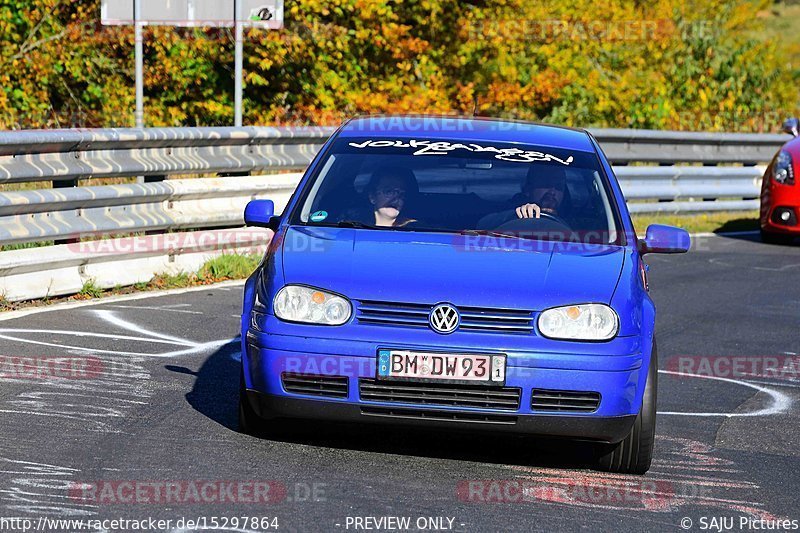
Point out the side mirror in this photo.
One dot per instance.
(791, 126)
(261, 213)
(662, 239)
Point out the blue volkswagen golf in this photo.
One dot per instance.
(471, 274)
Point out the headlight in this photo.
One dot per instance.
(588, 322)
(296, 303)
(782, 170)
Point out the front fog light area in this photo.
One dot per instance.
(587, 322)
(296, 303)
(784, 216)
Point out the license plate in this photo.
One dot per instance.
(429, 366)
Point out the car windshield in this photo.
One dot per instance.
(473, 187)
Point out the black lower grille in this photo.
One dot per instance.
(313, 385)
(441, 416)
(475, 396)
(564, 401)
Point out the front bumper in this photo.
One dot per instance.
(618, 379)
(599, 429)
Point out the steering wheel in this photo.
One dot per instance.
(545, 222)
(554, 218)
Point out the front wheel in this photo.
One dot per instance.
(634, 453)
(249, 421)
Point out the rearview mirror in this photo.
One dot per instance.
(260, 213)
(662, 239)
(792, 126)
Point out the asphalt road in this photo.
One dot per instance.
(154, 401)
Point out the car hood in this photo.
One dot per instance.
(479, 271)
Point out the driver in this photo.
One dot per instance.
(543, 192)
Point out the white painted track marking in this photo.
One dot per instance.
(156, 308)
(111, 318)
(10, 315)
(780, 402)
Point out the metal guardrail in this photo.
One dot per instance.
(686, 189)
(66, 155)
(80, 212)
(72, 212)
(669, 147)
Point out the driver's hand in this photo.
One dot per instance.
(529, 211)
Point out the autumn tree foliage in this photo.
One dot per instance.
(665, 64)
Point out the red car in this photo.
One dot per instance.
(780, 193)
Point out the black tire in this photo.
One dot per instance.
(634, 453)
(776, 238)
(249, 421)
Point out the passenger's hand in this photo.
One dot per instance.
(529, 211)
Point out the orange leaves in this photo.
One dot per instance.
(522, 100)
(546, 88)
(658, 64)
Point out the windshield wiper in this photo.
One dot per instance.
(489, 233)
(361, 225)
(354, 224)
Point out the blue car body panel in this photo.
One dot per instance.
(358, 264)
(466, 271)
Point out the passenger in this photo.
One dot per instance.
(544, 191)
(387, 192)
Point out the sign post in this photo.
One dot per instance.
(139, 61)
(238, 60)
(266, 14)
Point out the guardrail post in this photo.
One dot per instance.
(65, 184)
(665, 164)
(233, 174)
(154, 179)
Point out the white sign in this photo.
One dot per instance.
(209, 13)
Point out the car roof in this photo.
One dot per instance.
(479, 129)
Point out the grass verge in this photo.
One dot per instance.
(701, 223)
(222, 268)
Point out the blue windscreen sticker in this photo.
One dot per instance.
(319, 216)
